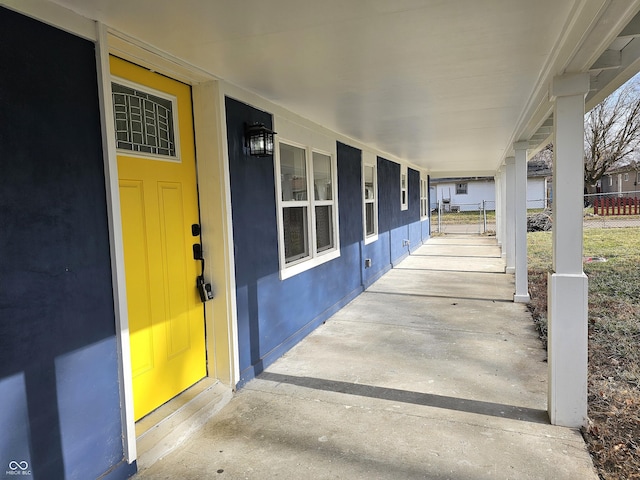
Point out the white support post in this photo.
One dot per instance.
(503, 208)
(503, 212)
(497, 181)
(510, 214)
(568, 286)
(520, 206)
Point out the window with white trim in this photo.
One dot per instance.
(626, 177)
(610, 180)
(461, 188)
(370, 201)
(424, 198)
(308, 207)
(404, 195)
(323, 201)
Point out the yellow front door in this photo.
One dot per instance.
(159, 204)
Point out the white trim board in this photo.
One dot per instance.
(116, 243)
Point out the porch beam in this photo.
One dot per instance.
(609, 59)
(520, 213)
(567, 299)
(503, 210)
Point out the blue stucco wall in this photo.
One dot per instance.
(59, 393)
(273, 314)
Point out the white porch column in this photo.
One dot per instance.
(520, 206)
(510, 214)
(503, 211)
(567, 304)
(497, 179)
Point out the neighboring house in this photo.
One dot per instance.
(469, 193)
(464, 193)
(621, 180)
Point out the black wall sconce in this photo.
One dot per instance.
(259, 140)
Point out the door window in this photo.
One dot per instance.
(144, 122)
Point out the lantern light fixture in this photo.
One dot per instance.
(259, 140)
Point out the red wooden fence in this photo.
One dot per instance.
(616, 206)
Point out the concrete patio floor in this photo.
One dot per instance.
(432, 373)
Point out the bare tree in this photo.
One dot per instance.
(544, 157)
(612, 132)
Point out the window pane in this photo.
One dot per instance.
(403, 181)
(369, 190)
(143, 122)
(324, 228)
(322, 176)
(294, 221)
(293, 172)
(369, 216)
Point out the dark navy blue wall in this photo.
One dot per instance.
(414, 225)
(350, 206)
(394, 224)
(254, 226)
(59, 394)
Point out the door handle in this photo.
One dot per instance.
(204, 289)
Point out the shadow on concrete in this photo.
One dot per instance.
(400, 267)
(453, 256)
(417, 398)
(430, 295)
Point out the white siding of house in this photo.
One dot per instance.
(536, 192)
(484, 190)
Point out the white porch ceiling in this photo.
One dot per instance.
(447, 85)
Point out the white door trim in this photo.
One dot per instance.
(115, 240)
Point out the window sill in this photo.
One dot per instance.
(294, 270)
(371, 239)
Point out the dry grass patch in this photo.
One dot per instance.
(613, 434)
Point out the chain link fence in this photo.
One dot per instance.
(602, 210)
(612, 210)
(471, 218)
